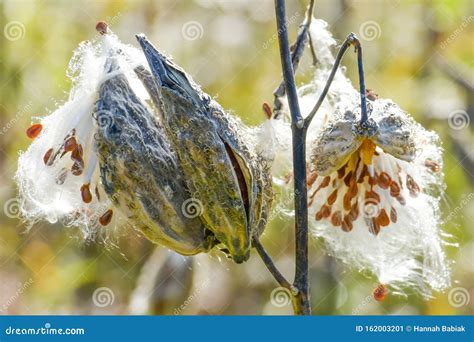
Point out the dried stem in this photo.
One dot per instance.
(350, 40)
(267, 260)
(363, 101)
(297, 50)
(301, 288)
(301, 298)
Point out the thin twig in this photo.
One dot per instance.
(297, 50)
(267, 260)
(350, 40)
(363, 101)
(301, 297)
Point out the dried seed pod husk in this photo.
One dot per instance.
(139, 170)
(218, 156)
(389, 128)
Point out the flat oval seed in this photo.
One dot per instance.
(61, 176)
(393, 215)
(332, 198)
(336, 219)
(384, 180)
(412, 186)
(106, 217)
(383, 220)
(380, 292)
(48, 161)
(346, 224)
(394, 189)
(432, 165)
(70, 144)
(86, 193)
(34, 130)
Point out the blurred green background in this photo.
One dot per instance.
(419, 53)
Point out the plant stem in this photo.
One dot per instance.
(363, 101)
(297, 50)
(350, 40)
(301, 298)
(267, 260)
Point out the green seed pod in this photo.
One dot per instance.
(141, 173)
(217, 155)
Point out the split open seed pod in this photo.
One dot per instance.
(223, 171)
(140, 172)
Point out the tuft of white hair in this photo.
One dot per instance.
(52, 192)
(407, 255)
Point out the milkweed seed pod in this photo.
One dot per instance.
(374, 189)
(217, 153)
(140, 172)
(101, 160)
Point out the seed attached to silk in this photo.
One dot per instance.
(77, 168)
(380, 292)
(336, 219)
(106, 217)
(332, 198)
(61, 176)
(34, 130)
(384, 180)
(347, 224)
(70, 144)
(393, 215)
(101, 27)
(267, 110)
(77, 153)
(394, 189)
(48, 161)
(432, 165)
(86, 193)
(412, 186)
(383, 220)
